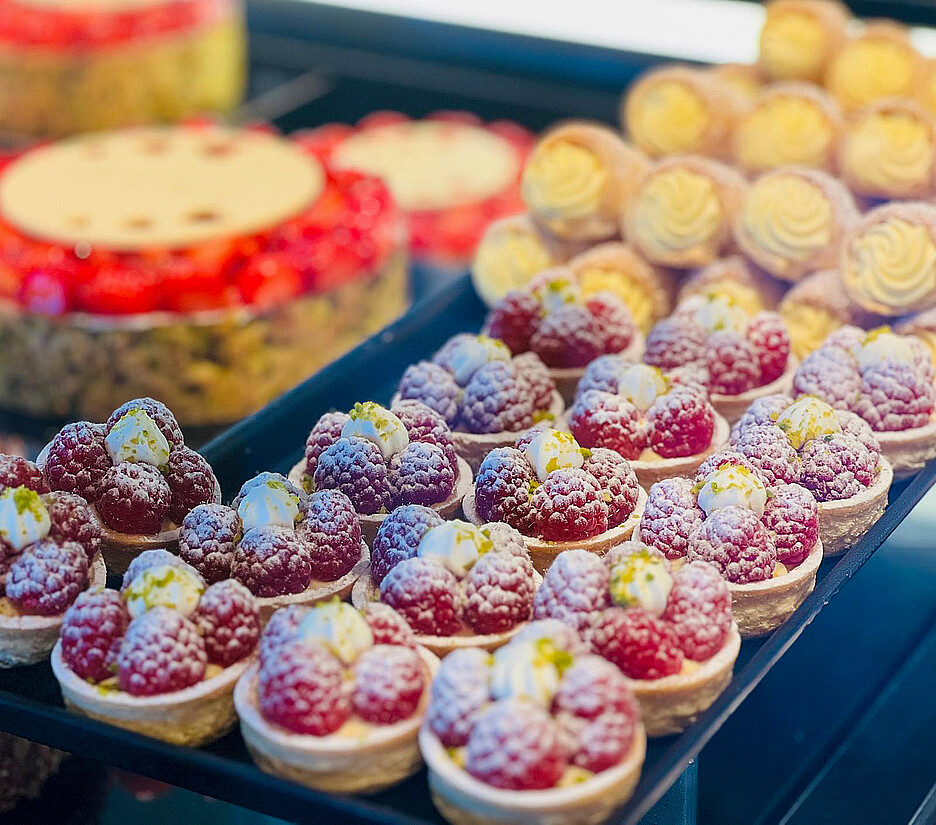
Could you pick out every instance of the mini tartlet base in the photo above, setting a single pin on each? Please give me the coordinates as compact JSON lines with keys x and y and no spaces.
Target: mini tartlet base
{"x":842,"y":523}
{"x":908,"y":450}
{"x":732,"y":407}
{"x":464,"y":800}
{"x":387,"y":754}
{"x":567,"y":378}
{"x":670,"y":704}
{"x":543,"y":553}
{"x":27,"y":639}
{"x":447,"y":509}
{"x":193,"y":716}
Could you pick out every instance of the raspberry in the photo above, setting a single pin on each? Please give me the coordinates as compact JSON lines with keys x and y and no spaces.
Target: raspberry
{"x":699,"y":610}
{"x":134,"y":499}
{"x":148,"y":559}
{"x":72,"y":521}
{"x":770,"y":451}
{"x":836,"y":467}
{"x":77,"y":460}
{"x":208,"y":539}
{"x":332,"y":532}
{"x":156,"y":410}
{"x":574,"y":590}
{"x":855,"y":425}
{"x":603,"y":741}
{"x":693,"y":377}
{"x":425,"y":424}
{"x":92,"y":631}
{"x":532,"y":371}
{"x":720,"y":459}
{"x":830,"y":375}
{"x":732,"y":363}
{"x":674,"y":342}
{"x":426,"y":594}
{"x":503,"y":489}
{"x":570,"y":505}
{"x":615,"y":326}
{"x":303,"y":688}
{"x":620,"y":552}
{"x":16,"y":471}
{"x":515,"y":745}
{"x":398,"y":537}
{"x":272,"y":561}
{"x":356,"y":467}
{"x":846,"y":338}
{"x":47,"y":577}
{"x":506,"y":539}
{"x":228,"y":619}
{"x":388,"y":626}
{"x":592,"y":686}
{"x":640,"y":644}
{"x":496,"y":401}
{"x":763,"y":410}
{"x":5,"y":564}
{"x":737,"y":543}
{"x":281,"y":628}
{"x":768,"y":334}
{"x":459,"y":693}
{"x":603,"y":374}
{"x":567,"y":337}
{"x":433,"y":386}
{"x":680,"y":423}
{"x":557,"y":633}
{"x":191,"y":482}
{"x":514,"y":319}
{"x":161,"y":653}
{"x":421,"y":473}
{"x":327,"y":431}
{"x":895,"y":397}
{"x":600,"y":419}
{"x":618,"y":481}
{"x":498,"y":593}
{"x":388,"y":683}
{"x":670,"y":517}
{"x":792,"y":517}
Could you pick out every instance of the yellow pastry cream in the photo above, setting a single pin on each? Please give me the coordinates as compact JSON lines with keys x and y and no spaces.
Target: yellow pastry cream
{"x":509,"y":254}
{"x":733,"y":279}
{"x":668,"y":115}
{"x":889,"y":263}
{"x":926,"y":93}
{"x":798,"y":38}
{"x":814,"y":308}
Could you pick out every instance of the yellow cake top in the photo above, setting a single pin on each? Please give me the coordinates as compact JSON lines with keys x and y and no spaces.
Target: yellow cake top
{"x":784,"y":129}
{"x":872,"y":67}
{"x":794,"y":43}
{"x":564,"y":179}
{"x":667,"y":116}
{"x":508,"y":255}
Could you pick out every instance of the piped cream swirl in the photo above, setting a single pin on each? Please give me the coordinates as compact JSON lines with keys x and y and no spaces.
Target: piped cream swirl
{"x":668,"y":117}
{"x":793,"y":45}
{"x":889,"y":154}
{"x":564,"y":180}
{"x":782,"y":130}
{"x":872,"y":68}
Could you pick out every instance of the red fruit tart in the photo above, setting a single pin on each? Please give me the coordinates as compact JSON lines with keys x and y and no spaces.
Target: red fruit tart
{"x":833,"y":453}
{"x":137,"y":474}
{"x":487,"y":395}
{"x":557,"y":495}
{"x":762,"y":536}
{"x":70,"y":66}
{"x":382,"y":458}
{"x":161,"y":655}
{"x":284,"y":546}
{"x":458,"y":585}
{"x":212,"y":267}
{"x":746,"y":357}
{"x":450,"y":172}
{"x":49,"y":554}
{"x":670,"y":631}
{"x":337,"y":698}
{"x":887,"y":380}
{"x":662,"y":423}
{"x":554,"y":319}
{"x":541,"y":732}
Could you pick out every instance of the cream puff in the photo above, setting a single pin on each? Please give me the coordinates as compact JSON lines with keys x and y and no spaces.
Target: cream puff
{"x":799,"y":37}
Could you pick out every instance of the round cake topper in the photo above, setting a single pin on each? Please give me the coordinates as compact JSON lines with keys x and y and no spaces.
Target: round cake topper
{"x":158,"y":187}
{"x":431,"y":165}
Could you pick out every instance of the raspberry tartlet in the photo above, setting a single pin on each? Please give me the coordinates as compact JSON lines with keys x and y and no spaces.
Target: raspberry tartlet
{"x":137,"y":474}
{"x":161,"y":655}
{"x":479,"y":388}
{"x":382,"y":458}
{"x":284,"y":546}
{"x":557,"y":495}
{"x":887,"y":380}
{"x":566,"y":327}
{"x":49,"y":554}
{"x":663,"y":424}
{"x":458,"y":585}
{"x":541,"y":732}
{"x":337,"y":697}
{"x":746,"y":357}
{"x":670,"y":631}
{"x":761,"y":533}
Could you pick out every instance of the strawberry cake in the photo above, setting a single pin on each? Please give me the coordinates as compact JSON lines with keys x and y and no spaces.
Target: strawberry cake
{"x":484,"y":392}
{"x":161,"y":655}
{"x":458,"y":585}
{"x":557,"y":495}
{"x":540,"y":732}
{"x":381,"y":459}
{"x":136,"y":472}
{"x":337,"y":697}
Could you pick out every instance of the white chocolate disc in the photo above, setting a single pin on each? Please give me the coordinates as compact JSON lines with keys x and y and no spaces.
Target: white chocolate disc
{"x":158,"y":187}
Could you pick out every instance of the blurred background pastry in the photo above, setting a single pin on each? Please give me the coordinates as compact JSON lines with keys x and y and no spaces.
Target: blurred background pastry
{"x":738,"y":280}
{"x":923,"y":326}
{"x":799,"y":37}
{"x":745,"y":79}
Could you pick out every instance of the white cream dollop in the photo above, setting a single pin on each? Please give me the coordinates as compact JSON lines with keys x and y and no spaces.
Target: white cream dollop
{"x":553,"y":450}
{"x":164,"y":586}
{"x":719,"y":312}
{"x":526,"y":670}
{"x":553,"y":293}
{"x":24,"y":518}
{"x":339,"y":627}
{"x":269,"y":503}
{"x":375,"y":423}
{"x":641,"y":579}
{"x":883,"y":345}
{"x":806,"y":419}
{"x":471,"y":353}
{"x":641,"y":385}
{"x":138,"y":439}
{"x":456,"y":545}
{"x":732,"y":485}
